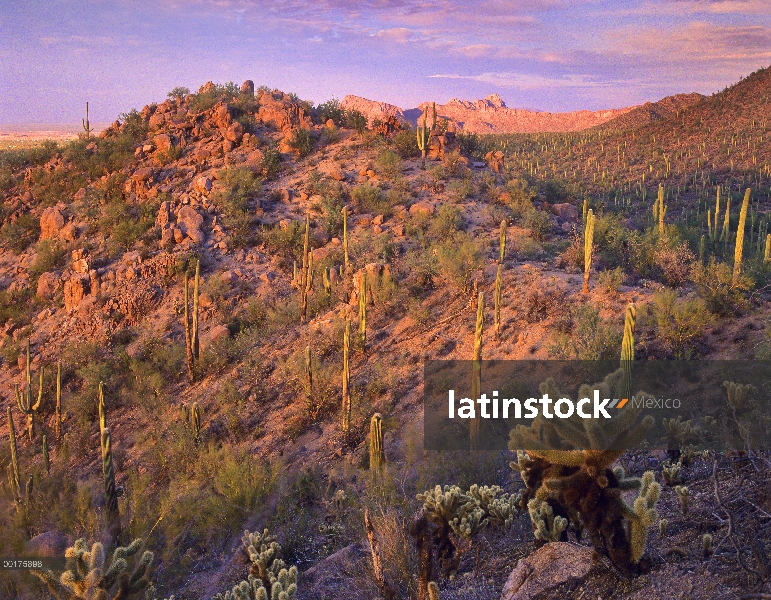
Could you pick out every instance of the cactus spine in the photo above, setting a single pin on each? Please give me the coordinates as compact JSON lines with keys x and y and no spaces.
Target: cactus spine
{"x":305,"y":279}
{"x":740,"y":237}
{"x":110,"y":492}
{"x":498,"y":279}
{"x":58,"y":415}
{"x":24,"y":401}
{"x":191,"y":329}
{"x":46,"y":458}
{"x":376,"y":449}
{"x":346,"y":379}
{"x":476,"y":366}
{"x":588,"y":245}
{"x":86,"y":124}
{"x":423,"y":134}
{"x":363,"y":311}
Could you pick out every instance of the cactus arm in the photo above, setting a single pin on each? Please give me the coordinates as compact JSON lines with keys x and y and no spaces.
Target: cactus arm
{"x":740,"y":237}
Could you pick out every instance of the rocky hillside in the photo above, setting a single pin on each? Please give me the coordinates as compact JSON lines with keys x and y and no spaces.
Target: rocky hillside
{"x":372,"y":110}
{"x":302,"y":223}
{"x":652,"y":111}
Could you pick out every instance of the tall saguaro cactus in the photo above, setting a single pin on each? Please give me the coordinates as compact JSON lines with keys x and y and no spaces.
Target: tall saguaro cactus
{"x":627,"y":347}
{"x":376,"y":449}
{"x":14,"y":479}
{"x":498,"y":279}
{"x":423,"y":134}
{"x":740,"y":237}
{"x":476,"y":366}
{"x":191,"y":325}
{"x":24,"y":400}
{"x":662,"y":209}
{"x":102,"y":408}
{"x":363,"y":311}
{"x":344,"y":210}
{"x":86,"y":124}
{"x":58,"y":414}
{"x":110,"y":491}
{"x":767,"y":251}
{"x":305,"y":277}
{"x":346,"y":379}
{"x":588,"y":246}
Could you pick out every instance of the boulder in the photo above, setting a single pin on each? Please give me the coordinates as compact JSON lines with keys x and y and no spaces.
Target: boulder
{"x":69,"y":233}
{"x":156,"y":120}
{"x":188,"y":219}
{"x":422,"y":208}
{"x":565,"y":211}
{"x":47,"y":285}
{"x":495,"y":158}
{"x":247,"y":87}
{"x":79,"y":261}
{"x":552,"y":571}
{"x":218,"y":332}
{"x":234,"y":133}
{"x":202,"y":185}
{"x":51,"y":544}
{"x":163,"y":142}
{"x":220,"y":116}
{"x":280,"y":111}
{"x":75,"y":289}
{"x":198,"y":236}
{"x":163,"y":217}
{"x":51,"y":223}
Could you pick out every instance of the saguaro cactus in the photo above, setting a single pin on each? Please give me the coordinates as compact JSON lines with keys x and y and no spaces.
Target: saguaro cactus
{"x":14,"y":478}
{"x":305,"y":276}
{"x":24,"y":400}
{"x":662,"y":209}
{"x":195,"y":420}
{"x":110,"y":492}
{"x":346,"y":379}
{"x":740,"y":237}
{"x":58,"y":414}
{"x":46,"y":460}
{"x":725,"y":232}
{"x":476,"y":366}
{"x":627,"y":348}
{"x":86,"y":124}
{"x":588,"y":246}
{"x":102,"y":408}
{"x":767,"y":252}
{"x":376,"y":449}
{"x":309,"y":378}
{"x":191,"y":328}
{"x":423,"y":134}
{"x":363,"y":311}
{"x":345,"y":237}
{"x":498,"y":279}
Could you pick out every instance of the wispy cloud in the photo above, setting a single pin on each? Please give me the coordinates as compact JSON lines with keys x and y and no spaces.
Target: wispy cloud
{"x":529,"y":81}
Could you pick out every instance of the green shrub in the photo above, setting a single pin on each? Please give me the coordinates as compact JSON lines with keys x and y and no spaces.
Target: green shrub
{"x":50,"y":255}
{"x":16,"y":236}
{"x":302,"y":142}
{"x":610,"y":280}
{"x":405,"y":143}
{"x":203,"y":101}
{"x":124,"y":223}
{"x":388,"y":163}
{"x":538,"y":222}
{"x":715,"y":285}
{"x":178,"y":92}
{"x":591,"y":337}
{"x":370,"y":199}
{"x":447,"y":221}
{"x":235,"y":186}
{"x":330,"y":109}
{"x":355,"y":120}
{"x":458,"y":258}
{"x":522,"y":196}
{"x":678,"y":323}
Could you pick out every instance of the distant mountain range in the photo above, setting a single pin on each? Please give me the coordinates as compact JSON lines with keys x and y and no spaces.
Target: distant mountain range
{"x":491,"y":115}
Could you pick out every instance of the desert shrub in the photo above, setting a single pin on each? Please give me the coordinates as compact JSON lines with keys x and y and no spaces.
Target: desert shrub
{"x":302,"y":142}
{"x":447,"y":221}
{"x":405,"y":143}
{"x":271,"y":163}
{"x":538,"y":222}
{"x":178,"y":93}
{"x":469,"y":144}
{"x":235,"y":186}
{"x":124,"y":223}
{"x":388,"y":163}
{"x":525,"y":247}
{"x":677,"y":322}
{"x":370,"y":199}
{"x":458,"y":258}
{"x":330,"y":109}
{"x":610,"y":280}
{"x":715,"y":285}
{"x":522,"y":196}
{"x":287,"y":242}
{"x":50,"y":255}
{"x":16,"y":304}
{"x":355,"y":120}
{"x":328,"y":136}
{"x":461,"y":189}
{"x":673,"y":263}
{"x":591,"y":338}
{"x":50,"y":187}
{"x":203,"y":101}
{"x":16,"y":236}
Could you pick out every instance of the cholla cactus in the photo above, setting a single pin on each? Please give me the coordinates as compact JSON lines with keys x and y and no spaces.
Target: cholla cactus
{"x":672,"y":473}
{"x":89,"y":577}
{"x":269,"y":579}
{"x":547,"y":526}
{"x":644,"y":515}
{"x":738,"y":395}
{"x":684,"y":495}
{"x":433,"y":591}
{"x":707,"y":549}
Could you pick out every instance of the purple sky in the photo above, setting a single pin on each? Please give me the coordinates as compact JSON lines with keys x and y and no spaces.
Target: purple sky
{"x":555,"y":55}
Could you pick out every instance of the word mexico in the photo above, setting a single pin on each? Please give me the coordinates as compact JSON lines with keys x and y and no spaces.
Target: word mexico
{"x":564,"y":408}
{"x":526,"y":405}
